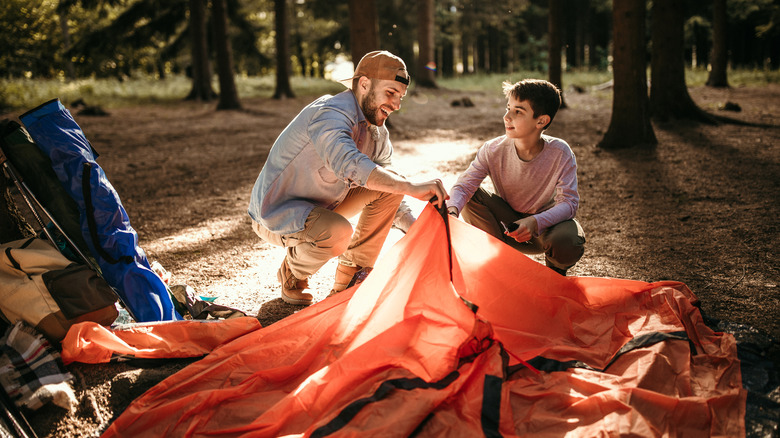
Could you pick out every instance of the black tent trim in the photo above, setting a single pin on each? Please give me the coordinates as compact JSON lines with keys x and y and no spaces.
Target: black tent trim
{"x":646,"y":340}
{"x":384,"y":390}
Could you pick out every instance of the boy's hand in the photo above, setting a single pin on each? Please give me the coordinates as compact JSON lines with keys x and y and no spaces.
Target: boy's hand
{"x":526,"y":229}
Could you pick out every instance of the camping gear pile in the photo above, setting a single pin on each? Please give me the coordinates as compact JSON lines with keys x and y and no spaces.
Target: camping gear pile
{"x":78,"y":210}
{"x":105,"y":225}
{"x":84,"y":259}
{"x":48,"y":291}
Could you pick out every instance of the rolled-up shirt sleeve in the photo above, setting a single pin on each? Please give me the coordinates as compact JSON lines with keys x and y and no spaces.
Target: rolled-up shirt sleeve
{"x":567,"y":198}
{"x":330,"y":132}
{"x":469,"y":181}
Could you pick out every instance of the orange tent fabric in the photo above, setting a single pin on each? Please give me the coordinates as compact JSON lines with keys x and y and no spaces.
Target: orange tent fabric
{"x":89,"y":342}
{"x":403,"y":353}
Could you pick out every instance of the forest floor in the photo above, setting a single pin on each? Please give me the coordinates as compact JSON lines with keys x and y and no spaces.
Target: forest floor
{"x":701,"y":207}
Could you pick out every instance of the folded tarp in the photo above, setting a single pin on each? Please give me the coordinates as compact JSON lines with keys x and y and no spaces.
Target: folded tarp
{"x":403,"y":354}
{"x":88,"y":342}
{"x":104,"y":222}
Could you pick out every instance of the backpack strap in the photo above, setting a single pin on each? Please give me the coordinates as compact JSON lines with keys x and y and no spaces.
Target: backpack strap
{"x":86,"y":191}
{"x":13,"y":261}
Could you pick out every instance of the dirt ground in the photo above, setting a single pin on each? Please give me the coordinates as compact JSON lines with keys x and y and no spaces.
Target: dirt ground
{"x":701,"y":207}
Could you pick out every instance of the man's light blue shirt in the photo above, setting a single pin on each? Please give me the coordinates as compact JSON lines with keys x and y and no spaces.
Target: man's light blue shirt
{"x":327,"y":149}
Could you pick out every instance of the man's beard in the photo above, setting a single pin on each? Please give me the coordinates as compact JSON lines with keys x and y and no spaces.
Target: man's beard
{"x":370,"y":108}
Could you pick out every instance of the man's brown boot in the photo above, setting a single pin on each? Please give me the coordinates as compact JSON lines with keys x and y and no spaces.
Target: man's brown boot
{"x":292,"y":288}
{"x":348,"y":276}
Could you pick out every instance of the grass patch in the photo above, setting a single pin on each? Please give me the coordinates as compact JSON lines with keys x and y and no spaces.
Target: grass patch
{"x":22,"y":94}
{"x":737,"y":78}
{"x":493,"y":81}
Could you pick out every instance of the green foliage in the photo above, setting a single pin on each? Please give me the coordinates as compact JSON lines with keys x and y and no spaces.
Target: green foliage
{"x":28,"y":31}
{"x":125,"y":38}
{"x":743,"y":9}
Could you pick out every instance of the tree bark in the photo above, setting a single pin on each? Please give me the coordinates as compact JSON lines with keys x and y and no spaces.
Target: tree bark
{"x":480,"y":49}
{"x":448,"y":59}
{"x":580,"y":25}
{"x":297,"y":45}
{"x":555,"y":18}
{"x":719,"y":59}
{"x":669,"y":96}
{"x":62,"y":11}
{"x":363,"y":28}
{"x":283,"y":88}
{"x":426,"y":62}
{"x":201,"y":68}
{"x":630,"y":122}
{"x":228,"y":95}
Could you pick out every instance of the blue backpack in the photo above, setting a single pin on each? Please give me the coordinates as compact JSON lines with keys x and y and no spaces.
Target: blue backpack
{"x":104,"y":223}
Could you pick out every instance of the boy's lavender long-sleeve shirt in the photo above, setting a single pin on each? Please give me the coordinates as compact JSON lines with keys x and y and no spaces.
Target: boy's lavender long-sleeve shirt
{"x":545,"y":187}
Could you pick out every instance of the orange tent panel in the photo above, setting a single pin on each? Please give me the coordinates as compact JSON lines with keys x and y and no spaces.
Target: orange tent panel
{"x":536,"y":355}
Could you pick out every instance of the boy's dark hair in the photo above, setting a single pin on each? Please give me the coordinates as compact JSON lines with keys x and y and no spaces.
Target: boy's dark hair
{"x":544,"y":97}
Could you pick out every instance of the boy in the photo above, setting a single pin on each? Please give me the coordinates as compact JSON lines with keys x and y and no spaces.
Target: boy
{"x":535,"y":179}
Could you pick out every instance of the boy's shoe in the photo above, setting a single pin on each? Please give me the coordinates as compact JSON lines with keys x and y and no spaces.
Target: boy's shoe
{"x":558,"y":270}
{"x":359,"y":277}
{"x":348,"y":276}
{"x":292,"y":288}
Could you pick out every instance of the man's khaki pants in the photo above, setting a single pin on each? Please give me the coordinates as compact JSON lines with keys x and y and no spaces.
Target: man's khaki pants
{"x":562,"y":243}
{"x":328,"y":233}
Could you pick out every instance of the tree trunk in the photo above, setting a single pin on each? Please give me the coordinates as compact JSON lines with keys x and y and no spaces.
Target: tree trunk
{"x":201,"y":68}
{"x":363,"y":28}
{"x":630,"y":123}
{"x":283,"y":88}
{"x":466,"y":40}
{"x":719,"y":59}
{"x":448,"y":59}
{"x":160,"y":66}
{"x":70,"y":71}
{"x":480,"y":61}
{"x":228,"y":95}
{"x":297,"y":44}
{"x":669,"y":96}
{"x":555,"y":30}
{"x":497,"y":59}
{"x":426,"y":61}
{"x":579,"y":38}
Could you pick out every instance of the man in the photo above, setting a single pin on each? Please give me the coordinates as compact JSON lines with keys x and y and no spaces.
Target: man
{"x":327,"y":166}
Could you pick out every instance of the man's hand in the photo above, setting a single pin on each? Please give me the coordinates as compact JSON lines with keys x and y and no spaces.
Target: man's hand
{"x":385,"y":181}
{"x":526,"y":228}
{"x":426,"y":190}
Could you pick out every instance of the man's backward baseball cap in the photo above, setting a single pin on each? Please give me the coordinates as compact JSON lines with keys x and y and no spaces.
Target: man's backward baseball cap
{"x":380,"y":64}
